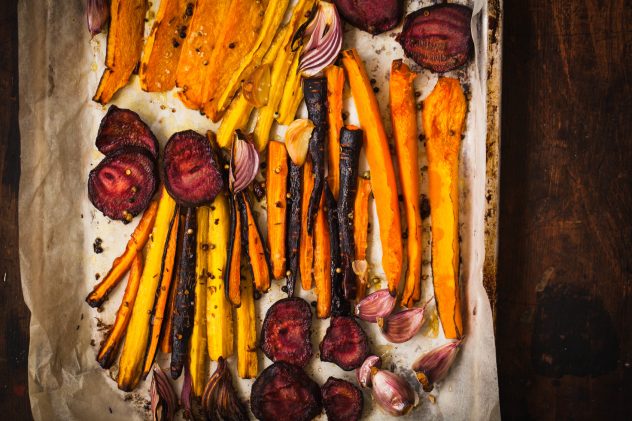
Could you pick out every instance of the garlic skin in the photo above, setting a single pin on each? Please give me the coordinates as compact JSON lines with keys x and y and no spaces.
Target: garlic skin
{"x":378,"y":304}
{"x":402,"y":326}
{"x":391,"y":392}
{"x":97,"y":14}
{"x":164,"y":402}
{"x":363,"y":374}
{"x":433,"y":366}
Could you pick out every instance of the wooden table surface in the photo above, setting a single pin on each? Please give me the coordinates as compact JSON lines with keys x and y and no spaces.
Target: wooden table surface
{"x":564,"y":310}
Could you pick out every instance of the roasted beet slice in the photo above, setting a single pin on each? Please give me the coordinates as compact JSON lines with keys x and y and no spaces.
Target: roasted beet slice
{"x":438,"y":37}
{"x":283,"y":392}
{"x":121,"y":128}
{"x":286,"y":331}
{"x":342,"y":400}
{"x":345,"y":343}
{"x":123,"y":183}
{"x":372,"y":16}
{"x":192,"y":176}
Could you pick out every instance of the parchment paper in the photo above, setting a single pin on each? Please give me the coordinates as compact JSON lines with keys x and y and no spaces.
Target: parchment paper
{"x":59,"y":71}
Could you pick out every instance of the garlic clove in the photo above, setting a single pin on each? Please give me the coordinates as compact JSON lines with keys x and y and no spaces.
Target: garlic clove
{"x":433,"y":366}
{"x":97,"y":14}
{"x":378,"y":304}
{"x":297,"y":139}
{"x":392,"y":392}
{"x":244,"y":162}
{"x":363,"y":374}
{"x":402,"y":326}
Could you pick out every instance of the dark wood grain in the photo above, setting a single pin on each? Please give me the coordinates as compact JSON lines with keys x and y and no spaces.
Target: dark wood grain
{"x":564,"y":310}
{"x":14,"y":315}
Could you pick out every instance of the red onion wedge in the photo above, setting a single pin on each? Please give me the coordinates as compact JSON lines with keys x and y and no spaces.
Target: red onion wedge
{"x":325,"y":40}
{"x":244,"y":162}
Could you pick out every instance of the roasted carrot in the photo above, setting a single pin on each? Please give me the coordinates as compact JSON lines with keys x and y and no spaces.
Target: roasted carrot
{"x":122,"y":263}
{"x":198,"y":349}
{"x":109,"y":348}
{"x":322,"y":263}
{"x":163,"y":294}
{"x":137,"y":338}
{"x":404,"y":120}
{"x":443,"y":120}
{"x":158,"y":65}
{"x":124,"y":45}
{"x":166,"y":337}
{"x":335,"y":85}
{"x":202,"y":35}
{"x":247,"y":361}
{"x":293,"y":226}
{"x":381,"y":165}
{"x":292,"y":93}
{"x":232,"y":277}
{"x":183,"y":312}
{"x":276,"y":191}
{"x":256,"y":253}
{"x":306,"y":250}
{"x":360,"y":233}
{"x":339,"y":304}
{"x":350,"y":144}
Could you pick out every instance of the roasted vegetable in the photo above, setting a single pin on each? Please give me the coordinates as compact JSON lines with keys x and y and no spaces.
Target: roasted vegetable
{"x":244,"y":162}
{"x":404,"y":120}
{"x":294,"y":227}
{"x":164,"y":288}
{"x":292,"y":93}
{"x":232,"y":276}
{"x":360,"y":233}
{"x":97,"y":15}
{"x":247,"y":361}
{"x":438,"y":37}
{"x":322,"y":263}
{"x":443,"y":122}
{"x":350,"y":144}
{"x":164,"y":402}
{"x":323,"y":40}
{"x":335,"y":85}
{"x":192,"y":175}
{"x":339,"y":304}
{"x":276,"y":190}
{"x":315,"y":92}
{"x":255,"y":251}
{"x":306,"y":250}
{"x":125,"y":42}
{"x":109,"y":348}
{"x":286,"y":331}
{"x":220,"y":400}
{"x":165,"y":337}
{"x":372,"y":16}
{"x":283,"y":392}
{"x":159,"y":63}
{"x":345,"y":343}
{"x":203,"y":34}
{"x":264,"y":30}
{"x":392,"y":392}
{"x":123,"y":183}
{"x":183,"y":313}
{"x":219,"y":315}
{"x":137,"y":338}
{"x":198,"y":349}
{"x":297,"y":136}
{"x":382,"y":171}
{"x":122,"y":263}
{"x":120,"y":128}
{"x":342,"y":400}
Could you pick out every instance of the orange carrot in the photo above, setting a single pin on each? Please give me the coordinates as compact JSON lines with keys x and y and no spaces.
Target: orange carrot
{"x":322,"y":263}
{"x":335,"y":85}
{"x":276,"y":191}
{"x":306,"y":248}
{"x":360,"y":233}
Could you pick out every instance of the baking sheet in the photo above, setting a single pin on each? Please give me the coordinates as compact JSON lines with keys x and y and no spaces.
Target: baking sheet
{"x":59,"y":71}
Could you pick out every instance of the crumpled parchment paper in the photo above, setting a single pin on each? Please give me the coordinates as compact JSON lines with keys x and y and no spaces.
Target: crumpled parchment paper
{"x":59,"y":71}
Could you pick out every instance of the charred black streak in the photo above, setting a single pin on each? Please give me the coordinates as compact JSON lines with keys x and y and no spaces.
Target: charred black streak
{"x":573,"y":334}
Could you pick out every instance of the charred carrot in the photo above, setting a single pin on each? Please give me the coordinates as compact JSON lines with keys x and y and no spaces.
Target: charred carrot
{"x":306,"y":262}
{"x":232,"y":276}
{"x":322,"y":263}
{"x":335,"y":85}
{"x":122,"y":263}
{"x":256,"y":254}
{"x":294,"y":227}
{"x":360,"y":233}
{"x":109,"y":348}
{"x":382,"y":171}
{"x":339,"y":304}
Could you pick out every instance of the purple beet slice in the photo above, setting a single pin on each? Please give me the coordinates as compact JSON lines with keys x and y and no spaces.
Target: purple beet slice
{"x":372,"y":16}
{"x":345,"y":343}
{"x":191,"y":173}
{"x":121,"y":128}
{"x":438,"y":37}
{"x":123,"y":183}
{"x":286,"y":332}
{"x":283,"y":392}
{"x":342,"y":400}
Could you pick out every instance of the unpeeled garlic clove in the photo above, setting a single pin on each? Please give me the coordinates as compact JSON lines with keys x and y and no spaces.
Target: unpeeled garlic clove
{"x":297,"y":139}
{"x":244,"y":162}
{"x":378,"y":304}
{"x":434,"y":365}
{"x":391,"y":392}
{"x":402,"y":326}
{"x":363,"y":374}
{"x":97,"y":14}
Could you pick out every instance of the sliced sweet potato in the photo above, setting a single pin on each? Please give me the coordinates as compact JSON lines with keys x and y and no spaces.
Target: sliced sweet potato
{"x":124,"y":45}
{"x":158,"y":65}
